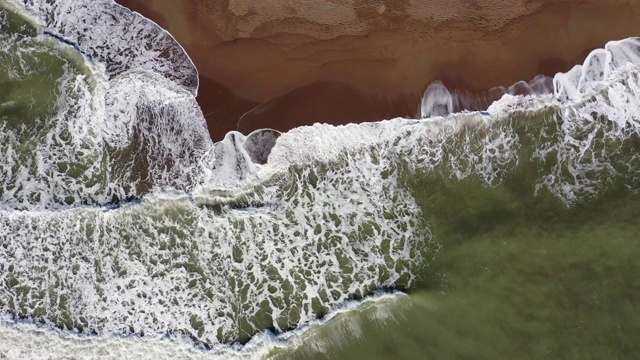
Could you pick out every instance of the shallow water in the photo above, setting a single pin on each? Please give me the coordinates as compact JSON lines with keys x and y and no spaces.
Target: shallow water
{"x":507,"y":283}
{"x":125,"y":230}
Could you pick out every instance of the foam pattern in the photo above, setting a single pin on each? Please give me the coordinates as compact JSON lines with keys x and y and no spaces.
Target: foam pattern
{"x":49,"y":149}
{"x":221,"y":246}
{"x":599,"y":66}
{"x":593,"y":142}
{"x":437,"y":100}
{"x":116,"y":37}
{"x":154,"y":135}
{"x":167,"y":265}
{"x":102,"y":142}
{"x":53,"y":344}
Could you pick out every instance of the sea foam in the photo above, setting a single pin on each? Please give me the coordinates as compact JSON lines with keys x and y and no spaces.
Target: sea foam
{"x":223,"y":243}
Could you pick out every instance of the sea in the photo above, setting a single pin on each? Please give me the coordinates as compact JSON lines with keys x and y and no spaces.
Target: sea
{"x":127,"y":233}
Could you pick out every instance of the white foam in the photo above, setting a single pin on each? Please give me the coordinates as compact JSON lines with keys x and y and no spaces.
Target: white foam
{"x":590,"y":139}
{"x":105,"y":138}
{"x":115,"y":37}
{"x":34,"y":150}
{"x":47,"y":343}
{"x":600,"y":66}
{"x":436,"y":101}
{"x":338,"y":223}
{"x":154,"y":267}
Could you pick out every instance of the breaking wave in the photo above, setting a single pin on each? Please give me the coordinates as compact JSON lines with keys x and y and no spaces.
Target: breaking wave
{"x":265,"y":232}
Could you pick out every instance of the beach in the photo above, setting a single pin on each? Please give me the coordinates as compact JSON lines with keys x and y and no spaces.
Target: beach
{"x":137,"y":221}
{"x":280,"y":65}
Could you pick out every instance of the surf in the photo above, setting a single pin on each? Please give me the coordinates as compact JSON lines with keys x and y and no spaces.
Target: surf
{"x":264,"y":233}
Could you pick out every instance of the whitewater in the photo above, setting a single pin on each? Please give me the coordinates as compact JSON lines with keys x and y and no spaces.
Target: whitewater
{"x":125,"y":231}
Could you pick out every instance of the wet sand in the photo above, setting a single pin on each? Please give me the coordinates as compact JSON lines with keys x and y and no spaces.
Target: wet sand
{"x":281,"y":64}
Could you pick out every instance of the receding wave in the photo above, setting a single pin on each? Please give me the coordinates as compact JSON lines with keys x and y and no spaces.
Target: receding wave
{"x":115,"y":37}
{"x":265,"y":232}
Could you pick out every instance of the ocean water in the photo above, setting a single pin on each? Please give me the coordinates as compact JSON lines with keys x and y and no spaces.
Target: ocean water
{"x":125,"y":232}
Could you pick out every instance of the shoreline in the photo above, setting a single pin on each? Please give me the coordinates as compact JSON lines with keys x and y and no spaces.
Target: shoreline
{"x":266,"y":65}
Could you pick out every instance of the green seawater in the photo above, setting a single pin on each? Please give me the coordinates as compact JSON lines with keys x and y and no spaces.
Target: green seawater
{"x":504,"y":266}
{"x":517,"y":276}
{"x":559,"y":291}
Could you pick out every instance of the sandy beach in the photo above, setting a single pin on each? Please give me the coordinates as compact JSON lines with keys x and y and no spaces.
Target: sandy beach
{"x":129,"y":229}
{"x":281,"y":64}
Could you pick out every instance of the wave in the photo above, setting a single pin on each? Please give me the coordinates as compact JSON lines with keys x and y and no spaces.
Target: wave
{"x":115,"y":37}
{"x":55,"y":344}
{"x":600,"y":65}
{"x":257,"y":232}
{"x":437,"y":100}
{"x":110,"y":134}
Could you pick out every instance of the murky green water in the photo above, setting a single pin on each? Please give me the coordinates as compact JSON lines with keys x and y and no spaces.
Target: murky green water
{"x":513,"y":236}
{"x":517,"y":276}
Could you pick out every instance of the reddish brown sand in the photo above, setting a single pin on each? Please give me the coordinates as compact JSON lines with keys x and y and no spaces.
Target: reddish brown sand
{"x":280,"y":64}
